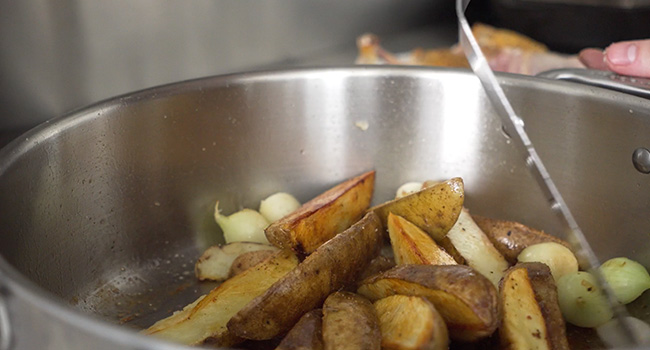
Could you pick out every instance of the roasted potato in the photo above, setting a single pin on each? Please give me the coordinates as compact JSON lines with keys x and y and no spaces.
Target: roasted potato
{"x":531,"y":316}
{"x":446,"y":244}
{"x":214,"y":264}
{"x":510,"y":237}
{"x":307,"y":334}
{"x":433,"y":209}
{"x":247,"y":260}
{"x":465,"y":298}
{"x":333,"y":265}
{"x":476,"y":249}
{"x":377,"y":265}
{"x":206,"y":318}
{"x":410,"y":323}
{"x":318,"y":220}
{"x":411,"y":245}
{"x":350,"y":322}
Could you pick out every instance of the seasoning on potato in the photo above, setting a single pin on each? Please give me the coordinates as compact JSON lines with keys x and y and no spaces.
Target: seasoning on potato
{"x":333,"y":265}
{"x":320,"y":219}
{"x":443,"y":287}
{"x":433,"y":209}
{"x":350,"y":323}
{"x":466,"y":299}
{"x":531,"y":316}
{"x":510,"y":237}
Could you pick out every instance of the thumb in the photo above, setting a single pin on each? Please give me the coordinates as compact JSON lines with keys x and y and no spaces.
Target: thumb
{"x":629,"y":58}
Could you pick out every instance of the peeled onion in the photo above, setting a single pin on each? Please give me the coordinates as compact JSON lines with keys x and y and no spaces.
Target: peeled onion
{"x":278,"y":205}
{"x":408,"y":188}
{"x":559,"y":258}
{"x":582,"y":301}
{"x":246,"y":225}
{"x":628,"y":278}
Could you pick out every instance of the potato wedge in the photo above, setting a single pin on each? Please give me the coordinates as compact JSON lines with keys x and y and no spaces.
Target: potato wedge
{"x":307,"y":334}
{"x":446,"y":244}
{"x":410,"y":323}
{"x":377,"y":265}
{"x":413,"y":246}
{"x":531,"y":316}
{"x":476,"y":249}
{"x":214,"y":264}
{"x":333,"y":265}
{"x":433,"y":209}
{"x":247,"y":260}
{"x":510,"y":237}
{"x":176,"y":317}
{"x":465,"y":298}
{"x":350,"y":323}
{"x":321,"y":218}
{"x":207,"y":317}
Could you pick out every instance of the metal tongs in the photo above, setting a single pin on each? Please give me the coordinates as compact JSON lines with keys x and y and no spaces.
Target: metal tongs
{"x":514,"y":127}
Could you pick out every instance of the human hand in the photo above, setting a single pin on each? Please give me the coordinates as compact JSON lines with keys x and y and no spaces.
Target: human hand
{"x":625,"y":57}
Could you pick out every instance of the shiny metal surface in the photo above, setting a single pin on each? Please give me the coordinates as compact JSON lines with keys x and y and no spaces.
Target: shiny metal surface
{"x":641,"y":160}
{"x":57,"y":58}
{"x":104,"y":211}
{"x":605,"y":79}
{"x":6,"y":336}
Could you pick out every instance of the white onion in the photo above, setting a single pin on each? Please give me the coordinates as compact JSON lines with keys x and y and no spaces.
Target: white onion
{"x":582,"y":301}
{"x":628,"y":278}
{"x":557,"y":257}
{"x":408,"y":188}
{"x":246,"y":225}
{"x":278,"y":205}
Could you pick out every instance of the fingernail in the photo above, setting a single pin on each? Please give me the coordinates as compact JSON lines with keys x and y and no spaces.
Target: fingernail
{"x":621,"y":54}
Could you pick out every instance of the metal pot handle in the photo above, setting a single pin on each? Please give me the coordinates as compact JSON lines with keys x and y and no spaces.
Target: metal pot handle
{"x":606,"y":79}
{"x":6,"y":338}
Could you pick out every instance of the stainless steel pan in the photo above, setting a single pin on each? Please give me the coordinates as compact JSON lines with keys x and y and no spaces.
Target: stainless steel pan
{"x":104,"y":211}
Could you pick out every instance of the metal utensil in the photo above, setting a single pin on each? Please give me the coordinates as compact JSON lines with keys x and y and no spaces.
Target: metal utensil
{"x":514,"y":127}
{"x":605,"y":79}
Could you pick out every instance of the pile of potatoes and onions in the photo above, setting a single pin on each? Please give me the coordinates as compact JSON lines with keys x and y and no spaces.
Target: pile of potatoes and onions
{"x":322,"y":276}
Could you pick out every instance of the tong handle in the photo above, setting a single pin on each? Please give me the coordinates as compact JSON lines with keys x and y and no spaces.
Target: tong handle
{"x":605,"y":79}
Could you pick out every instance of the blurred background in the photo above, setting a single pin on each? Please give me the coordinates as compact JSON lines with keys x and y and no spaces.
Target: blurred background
{"x":58,"y":55}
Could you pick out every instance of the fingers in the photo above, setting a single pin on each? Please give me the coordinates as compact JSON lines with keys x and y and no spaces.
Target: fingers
{"x":629,"y":57}
{"x":593,"y":58}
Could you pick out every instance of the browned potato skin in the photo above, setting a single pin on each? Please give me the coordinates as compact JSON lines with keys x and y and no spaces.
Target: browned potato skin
{"x":321,"y":218}
{"x":350,"y":323}
{"x":377,"y":265}
{"x":545,"y":294}
{"x":510,"y":237}
{"x":434,"y":209}
{"x":248,"y":260}
{"x":307,"y":334}
{"x":465,"y":298}
{"x":333,"y":265}
{"x":410,"y":323}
